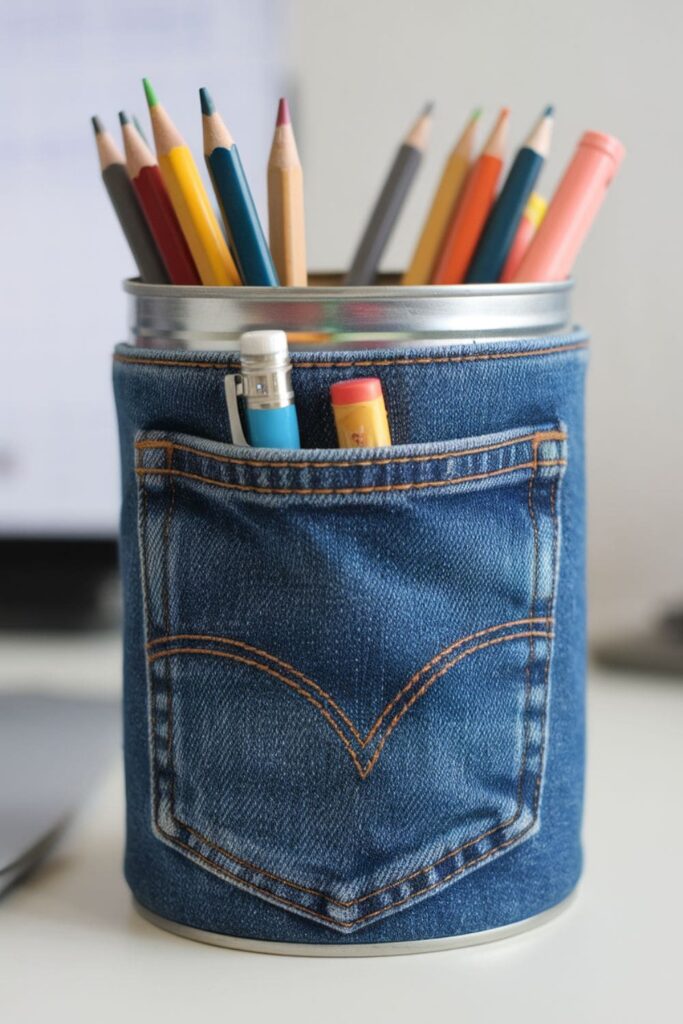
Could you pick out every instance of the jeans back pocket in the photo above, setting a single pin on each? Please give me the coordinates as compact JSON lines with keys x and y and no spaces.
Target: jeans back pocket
{"x":348,"y":660}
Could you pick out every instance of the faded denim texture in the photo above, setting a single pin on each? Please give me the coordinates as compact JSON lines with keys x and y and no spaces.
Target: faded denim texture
{"x":354,"y":679}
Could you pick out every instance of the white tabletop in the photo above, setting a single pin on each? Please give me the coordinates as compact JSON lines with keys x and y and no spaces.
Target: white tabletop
{"x":72,"y":948}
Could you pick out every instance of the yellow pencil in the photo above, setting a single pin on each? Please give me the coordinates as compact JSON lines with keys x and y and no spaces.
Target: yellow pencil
{"x":190,"y":201}
{"x":440,"y":215}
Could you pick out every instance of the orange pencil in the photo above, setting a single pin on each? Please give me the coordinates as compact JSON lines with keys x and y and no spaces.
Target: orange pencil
{"x":473,"y":208}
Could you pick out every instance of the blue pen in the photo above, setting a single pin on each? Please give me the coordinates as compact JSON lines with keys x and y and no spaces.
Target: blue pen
{"x":500,"y":228}
{"x":265,"y":385}
{"x":247,"y":240}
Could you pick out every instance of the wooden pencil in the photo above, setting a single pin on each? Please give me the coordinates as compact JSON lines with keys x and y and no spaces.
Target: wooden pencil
{"x":473,"y":209}
{"x":382,"y":221}
{"x":241,"y":220}
{"x":140,"y":130}
{"x":503,"y":221}
{"x":190,"y":201}
{"x":145,"y":176}
{"x":286,"y":220}
{"x":127,"y":208}
{"x":442,"y":209}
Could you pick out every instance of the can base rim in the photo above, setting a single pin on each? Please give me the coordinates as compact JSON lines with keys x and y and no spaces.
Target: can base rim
{"x":361,"y":949}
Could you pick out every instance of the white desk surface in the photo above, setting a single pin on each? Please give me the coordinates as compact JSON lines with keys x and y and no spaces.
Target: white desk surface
{"x":73,"y":949}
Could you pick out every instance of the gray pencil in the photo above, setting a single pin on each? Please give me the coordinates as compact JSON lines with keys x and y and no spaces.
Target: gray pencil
{"x":127,"y":208}
{"x":388,"y":206}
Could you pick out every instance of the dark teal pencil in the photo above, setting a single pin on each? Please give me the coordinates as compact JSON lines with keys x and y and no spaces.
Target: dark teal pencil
{"x":503,"y":221}
{"x":247,"y":240}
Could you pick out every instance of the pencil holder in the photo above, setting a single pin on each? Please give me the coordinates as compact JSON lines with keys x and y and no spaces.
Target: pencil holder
{"x":354,"y":679}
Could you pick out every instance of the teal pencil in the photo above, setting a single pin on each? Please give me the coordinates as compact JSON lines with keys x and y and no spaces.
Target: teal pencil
{"x":242,"y":224}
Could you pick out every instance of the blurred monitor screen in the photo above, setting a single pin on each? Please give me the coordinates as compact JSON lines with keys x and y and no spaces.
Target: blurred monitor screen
{"x":63,"y":255}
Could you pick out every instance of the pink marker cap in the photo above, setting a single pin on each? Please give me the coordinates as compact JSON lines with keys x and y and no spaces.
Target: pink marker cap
{"x":608,"y":144}
{"x":358,"y":389}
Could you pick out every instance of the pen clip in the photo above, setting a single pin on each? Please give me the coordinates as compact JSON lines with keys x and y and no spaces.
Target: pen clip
{"x":233,"y":389}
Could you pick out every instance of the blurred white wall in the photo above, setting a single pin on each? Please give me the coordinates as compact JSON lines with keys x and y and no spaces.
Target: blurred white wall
{"x":64,"y":255}
{"x":365,"y":68}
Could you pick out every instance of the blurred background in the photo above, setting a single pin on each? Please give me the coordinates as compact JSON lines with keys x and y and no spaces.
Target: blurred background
{"x":356,"y":74}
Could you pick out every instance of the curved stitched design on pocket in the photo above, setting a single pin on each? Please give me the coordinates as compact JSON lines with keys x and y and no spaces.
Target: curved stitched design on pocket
{"x":355,"y":744}
{"x":363,"y":750}
{"x":415,"y":877}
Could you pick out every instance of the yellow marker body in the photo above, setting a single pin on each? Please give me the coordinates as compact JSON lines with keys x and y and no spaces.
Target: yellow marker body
{"x":535,"y":209}
{"x":197,"y":219}
{"x":362,"y":424}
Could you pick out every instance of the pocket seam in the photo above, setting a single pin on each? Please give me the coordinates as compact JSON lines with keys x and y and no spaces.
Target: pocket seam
{"x":376,"y":489}
{"x":536,"y":438}
{"x":352,"y":363}
{"x":308,"y":911}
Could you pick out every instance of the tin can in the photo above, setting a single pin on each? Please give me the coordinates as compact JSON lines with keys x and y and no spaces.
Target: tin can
{"x":455,"y":533}
{"x":329,"y":316}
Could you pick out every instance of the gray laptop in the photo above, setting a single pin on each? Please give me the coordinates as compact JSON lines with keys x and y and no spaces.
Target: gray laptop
{"x":51,"y":751}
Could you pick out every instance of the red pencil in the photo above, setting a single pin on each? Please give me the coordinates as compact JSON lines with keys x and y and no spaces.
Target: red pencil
{"x":145,"y":176}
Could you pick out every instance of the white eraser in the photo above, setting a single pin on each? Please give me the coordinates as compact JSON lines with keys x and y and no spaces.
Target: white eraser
{"x":263,"y":343}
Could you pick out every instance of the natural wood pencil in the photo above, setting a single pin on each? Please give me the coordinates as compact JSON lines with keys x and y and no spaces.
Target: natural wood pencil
{"x":286,"y":220}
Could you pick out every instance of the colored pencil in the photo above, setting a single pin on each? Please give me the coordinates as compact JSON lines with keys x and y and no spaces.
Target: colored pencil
{"x":577,"y":199}
{"x":365,"y":263}
{"x":127,"y":208}
{"x":474,"y":207}
{"x":145,"y":176}
{"x":286,"y":221}
{"x":140,"y":130}
{"x":534,"y":213}
{"x":242,"y":224}
{"x":503,"y":221}
{"x":190,"y":201}
{"x":443,"y":206}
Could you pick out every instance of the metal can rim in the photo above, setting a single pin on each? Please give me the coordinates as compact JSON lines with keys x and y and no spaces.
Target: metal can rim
{"x":329,"y":316}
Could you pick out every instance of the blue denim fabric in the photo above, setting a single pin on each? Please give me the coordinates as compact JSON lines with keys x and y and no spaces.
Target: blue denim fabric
{"x":354,"y":679}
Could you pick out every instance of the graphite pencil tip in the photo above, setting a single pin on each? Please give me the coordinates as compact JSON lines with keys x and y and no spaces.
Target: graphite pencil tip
{"x":549,"y":111}
{"x":97,"y":125}
{"x":282,"y":113}
{"x":207,"y":104}
{"x":150,"y":94}
{"x":123,"y":118}
{"x":428,"y":108}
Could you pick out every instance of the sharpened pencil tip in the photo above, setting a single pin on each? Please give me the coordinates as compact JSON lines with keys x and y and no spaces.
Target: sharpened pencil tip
{"x":476,"y":113}
{"x":138,"y":128}
{"x":97,"y":125}
{"x":150,"y":94}
{"x":123,"y":118}
{"x":428,"y":108}
{"x":282,"y":113}
{"x":207,"y":104}
{"x":549,"y":111}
